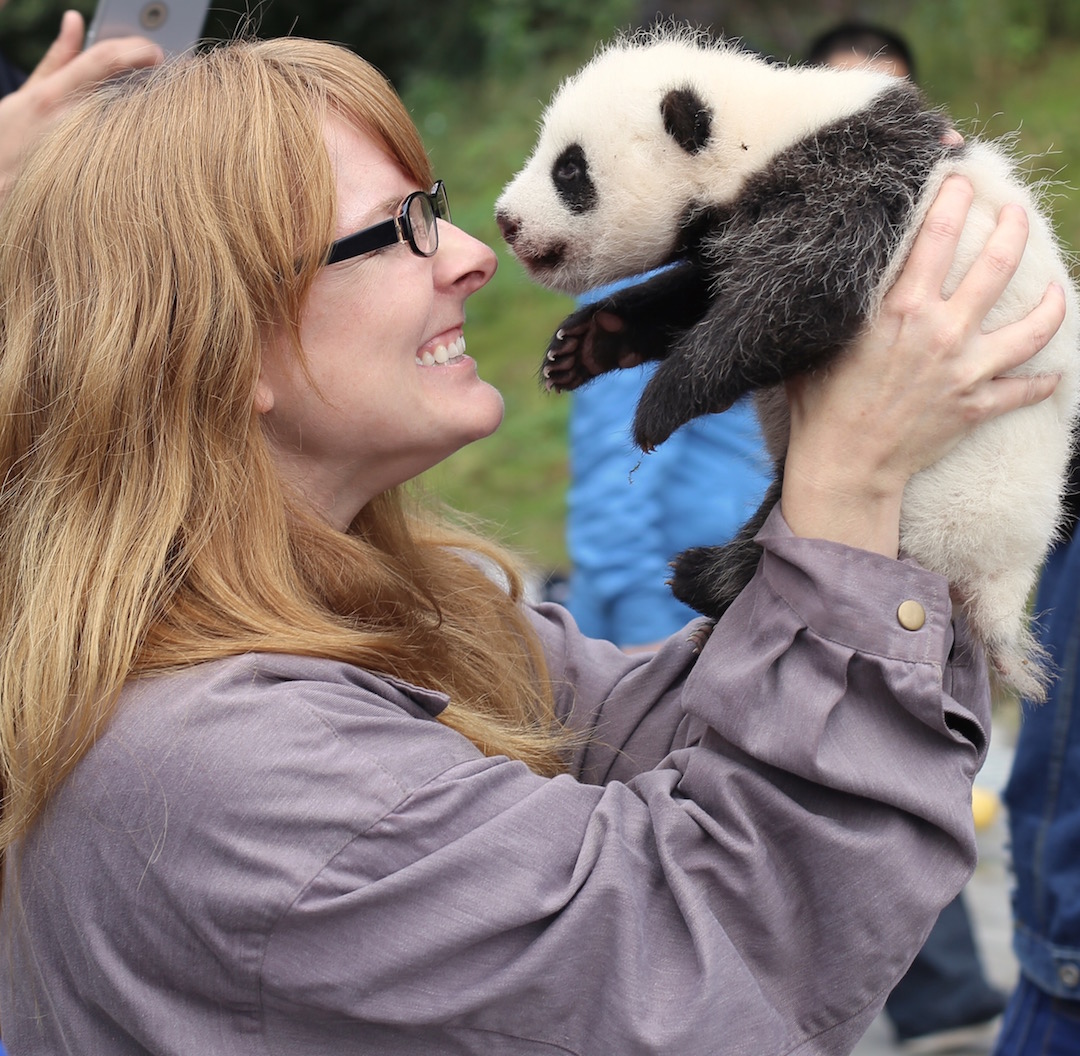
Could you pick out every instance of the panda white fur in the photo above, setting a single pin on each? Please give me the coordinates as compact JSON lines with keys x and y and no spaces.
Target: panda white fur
{"x":791,"y":195}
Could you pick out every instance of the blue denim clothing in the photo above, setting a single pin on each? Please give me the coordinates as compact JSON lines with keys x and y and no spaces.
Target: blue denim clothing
{"x":1043,"y":795}
{"x":1037,"y":1024}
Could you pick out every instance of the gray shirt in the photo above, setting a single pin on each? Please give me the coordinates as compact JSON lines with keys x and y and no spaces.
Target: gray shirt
{"x":285,"y":855}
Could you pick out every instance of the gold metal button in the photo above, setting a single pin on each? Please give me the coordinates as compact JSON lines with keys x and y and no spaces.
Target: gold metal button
{"x":911,"y":615}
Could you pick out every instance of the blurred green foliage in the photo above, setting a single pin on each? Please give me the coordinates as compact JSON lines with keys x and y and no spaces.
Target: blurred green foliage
{"x":476,"y":74}
{"x":452,"y":38}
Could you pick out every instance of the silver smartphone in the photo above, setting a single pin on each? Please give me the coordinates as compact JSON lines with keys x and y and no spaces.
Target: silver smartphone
{"x":174,"y":25}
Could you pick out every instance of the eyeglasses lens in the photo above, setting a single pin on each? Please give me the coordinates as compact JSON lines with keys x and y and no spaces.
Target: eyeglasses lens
{"x":422,"y":224}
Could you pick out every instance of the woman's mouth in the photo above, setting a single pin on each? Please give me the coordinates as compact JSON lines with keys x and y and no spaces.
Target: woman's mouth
{"x":442,"y":353}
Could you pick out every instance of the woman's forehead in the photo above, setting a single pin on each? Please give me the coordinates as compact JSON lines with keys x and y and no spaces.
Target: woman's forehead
{"x":370,"y":182}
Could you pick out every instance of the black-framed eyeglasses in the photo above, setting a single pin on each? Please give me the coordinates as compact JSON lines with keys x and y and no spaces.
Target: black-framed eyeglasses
{"x":414,"y":223}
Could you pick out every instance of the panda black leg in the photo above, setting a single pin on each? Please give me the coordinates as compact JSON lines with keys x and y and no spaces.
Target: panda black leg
{"x":670,"y":400}
{"x":710,"y":578}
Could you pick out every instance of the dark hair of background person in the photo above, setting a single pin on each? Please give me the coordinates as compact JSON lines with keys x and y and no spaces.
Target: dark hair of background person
{"x":864,"y":39}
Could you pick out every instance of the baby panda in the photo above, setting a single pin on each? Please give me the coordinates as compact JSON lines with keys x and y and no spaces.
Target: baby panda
{"x":785,"y":200}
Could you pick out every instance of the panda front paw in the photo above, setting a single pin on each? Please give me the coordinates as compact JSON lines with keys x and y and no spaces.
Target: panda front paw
{"x":589,"y":342}
{"x":629,"y":325}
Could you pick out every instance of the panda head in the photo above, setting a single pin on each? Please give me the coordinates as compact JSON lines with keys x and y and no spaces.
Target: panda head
{"x":618,"y":163}
{"x":654,"y":130}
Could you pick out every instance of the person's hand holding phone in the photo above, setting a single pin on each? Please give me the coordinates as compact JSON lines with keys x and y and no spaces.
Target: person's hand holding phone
{"x":62,"y":74}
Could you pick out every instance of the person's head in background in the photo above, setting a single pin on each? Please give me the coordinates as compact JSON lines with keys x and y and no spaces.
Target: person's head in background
{"x":858,"y":44}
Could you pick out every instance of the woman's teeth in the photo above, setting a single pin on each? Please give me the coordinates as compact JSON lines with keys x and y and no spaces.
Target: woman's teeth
{"x":442,"y":353}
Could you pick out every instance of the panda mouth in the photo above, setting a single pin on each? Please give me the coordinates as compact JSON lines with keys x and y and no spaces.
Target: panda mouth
{"x":554,"y":268}
{"x":537,"y":256}
{"x":550,"y":260}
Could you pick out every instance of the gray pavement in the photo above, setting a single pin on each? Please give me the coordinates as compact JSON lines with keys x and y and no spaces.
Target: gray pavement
{"x":987,"y":893}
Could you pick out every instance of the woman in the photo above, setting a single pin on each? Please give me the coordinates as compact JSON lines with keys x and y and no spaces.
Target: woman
{"x":286,"y":770}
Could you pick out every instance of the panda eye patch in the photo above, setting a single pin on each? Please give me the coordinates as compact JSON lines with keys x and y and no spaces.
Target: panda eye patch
{"x":570,"y":175}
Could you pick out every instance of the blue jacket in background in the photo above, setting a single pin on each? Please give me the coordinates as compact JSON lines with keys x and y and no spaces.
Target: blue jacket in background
{"x":629,"y":514}
{"x":1043,"y":795}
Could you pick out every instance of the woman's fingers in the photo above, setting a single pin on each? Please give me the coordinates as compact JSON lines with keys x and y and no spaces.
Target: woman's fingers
{"x":1014,"y":344}
{"x":983,"y":387}
{"x":953,"y":325}
{"x":101,"y":61}
{"x":66,"y":68}
{"x":993,"y":269}
{"x":1012,"y":393}
{"x":934,"y":247}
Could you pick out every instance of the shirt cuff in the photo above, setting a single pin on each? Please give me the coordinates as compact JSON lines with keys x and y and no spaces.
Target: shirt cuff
{"x":840,"y":591}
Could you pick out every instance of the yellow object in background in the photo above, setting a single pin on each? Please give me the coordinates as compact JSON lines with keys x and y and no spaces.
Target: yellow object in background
{"x":984,"y":807}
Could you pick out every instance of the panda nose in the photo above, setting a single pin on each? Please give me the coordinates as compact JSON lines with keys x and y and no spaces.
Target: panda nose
{"x":509,"y":226}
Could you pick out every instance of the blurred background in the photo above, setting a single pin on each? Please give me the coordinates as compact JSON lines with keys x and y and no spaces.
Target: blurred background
{"x":476,"y":73}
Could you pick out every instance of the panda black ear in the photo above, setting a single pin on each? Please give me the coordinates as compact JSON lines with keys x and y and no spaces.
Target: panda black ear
{"x":687,"y":118}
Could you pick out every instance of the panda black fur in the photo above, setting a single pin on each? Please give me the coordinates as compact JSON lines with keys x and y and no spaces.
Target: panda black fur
{"x":790,"y":196}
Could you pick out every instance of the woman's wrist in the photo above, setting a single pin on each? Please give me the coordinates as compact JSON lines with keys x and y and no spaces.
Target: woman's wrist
{"x":859,"y":511}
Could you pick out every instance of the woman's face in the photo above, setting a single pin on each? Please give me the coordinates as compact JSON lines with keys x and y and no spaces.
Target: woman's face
{"x":377,"y":409}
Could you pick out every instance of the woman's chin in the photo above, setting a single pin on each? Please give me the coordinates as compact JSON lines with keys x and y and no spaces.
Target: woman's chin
{"x":488,"y":412}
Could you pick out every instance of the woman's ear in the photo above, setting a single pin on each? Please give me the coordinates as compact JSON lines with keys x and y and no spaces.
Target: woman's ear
{"x":264,"y":395}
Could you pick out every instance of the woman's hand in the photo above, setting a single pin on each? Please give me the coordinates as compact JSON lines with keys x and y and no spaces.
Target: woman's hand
{"x":56,"y":81}
{"x":916,"y":382}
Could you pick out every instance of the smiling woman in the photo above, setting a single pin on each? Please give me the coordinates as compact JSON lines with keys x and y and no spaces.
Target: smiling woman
{"x":377,"y":401}
{"x":288,"y":766}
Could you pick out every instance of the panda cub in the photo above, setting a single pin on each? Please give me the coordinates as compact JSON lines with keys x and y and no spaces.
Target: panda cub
{"x":786,"y":199}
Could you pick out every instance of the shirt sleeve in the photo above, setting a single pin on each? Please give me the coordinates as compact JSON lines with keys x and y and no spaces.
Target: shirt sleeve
{"x":761,"y":887}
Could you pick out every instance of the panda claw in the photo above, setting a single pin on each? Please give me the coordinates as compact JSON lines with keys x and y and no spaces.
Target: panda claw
{"x":560,"y":370}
